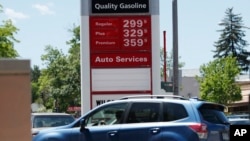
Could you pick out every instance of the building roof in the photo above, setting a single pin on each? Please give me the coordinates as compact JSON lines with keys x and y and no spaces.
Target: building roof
{"x":196,"y":72}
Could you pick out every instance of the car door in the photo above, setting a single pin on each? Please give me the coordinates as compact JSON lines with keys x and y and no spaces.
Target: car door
{"x":141,"y":123}
{"x":100,"y":125}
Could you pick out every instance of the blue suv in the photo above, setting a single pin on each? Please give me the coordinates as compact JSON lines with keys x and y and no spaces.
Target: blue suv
{"x":146,"y":118}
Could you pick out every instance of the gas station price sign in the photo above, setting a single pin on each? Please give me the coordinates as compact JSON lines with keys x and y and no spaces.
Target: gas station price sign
{"x":120,"y":33}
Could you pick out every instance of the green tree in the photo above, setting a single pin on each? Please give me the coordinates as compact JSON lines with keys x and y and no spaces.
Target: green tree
{"x":74,"y":75}
{"x":7,"y":39}
{"x":52,"y":80}
{"x":231,"y":40}
{"x":35,"y":74}
{"x":59,"y":83}
{"x":217,"y":81}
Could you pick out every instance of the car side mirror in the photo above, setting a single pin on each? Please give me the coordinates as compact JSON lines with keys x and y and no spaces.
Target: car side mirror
{"x":82,"y":125}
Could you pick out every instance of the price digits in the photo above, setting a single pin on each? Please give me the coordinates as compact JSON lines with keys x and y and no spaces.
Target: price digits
{"x":133,"y":42}
{"x":132,"y":31}
{"x":133,"y":23}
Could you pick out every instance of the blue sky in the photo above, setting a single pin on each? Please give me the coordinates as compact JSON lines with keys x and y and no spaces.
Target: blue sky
{"x":46,"y":22}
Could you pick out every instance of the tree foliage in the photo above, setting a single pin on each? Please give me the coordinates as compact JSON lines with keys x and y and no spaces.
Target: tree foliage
{"x":7,"y":39}
{"x":231,"y":40}
{"x":59,"y":83}
{"x":74,"y":75}
{"x":52,"y":80}
{"x":35,"y":74}
{"x":217,"y":81}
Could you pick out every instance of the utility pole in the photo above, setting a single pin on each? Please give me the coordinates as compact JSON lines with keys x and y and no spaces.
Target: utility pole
{"x":165,"y":57}
{"x":175,"y":49}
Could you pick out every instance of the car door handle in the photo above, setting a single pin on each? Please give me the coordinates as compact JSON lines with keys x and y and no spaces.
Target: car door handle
{"x":155,"y":130}
{"x":112,"y":133}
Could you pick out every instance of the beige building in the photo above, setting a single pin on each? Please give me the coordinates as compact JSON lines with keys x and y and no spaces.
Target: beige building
{"x":15,"y":98}
{"x":242,"y":106}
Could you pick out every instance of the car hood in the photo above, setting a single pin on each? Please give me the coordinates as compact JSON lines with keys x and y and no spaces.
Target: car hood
{"x":36,"y":130}
{"x":52,"y":128}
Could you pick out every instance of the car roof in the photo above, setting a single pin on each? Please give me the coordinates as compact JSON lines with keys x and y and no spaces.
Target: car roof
{"x":50,"y":114}
{"x":173,"y":98}
{"x":238,"y":119}
{"x":168,"y":98}
{"x":238,"y":116}
{"x":152,"y":98}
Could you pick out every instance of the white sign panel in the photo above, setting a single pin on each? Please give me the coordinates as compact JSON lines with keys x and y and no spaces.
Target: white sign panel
{"x":129,"y":79}
{"x":100,"y":99}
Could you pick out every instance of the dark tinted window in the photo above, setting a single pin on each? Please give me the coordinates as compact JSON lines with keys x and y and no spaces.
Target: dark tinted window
{"x":213,"y":113}
{"x":173,"y":111}
{"x":143,"y":112}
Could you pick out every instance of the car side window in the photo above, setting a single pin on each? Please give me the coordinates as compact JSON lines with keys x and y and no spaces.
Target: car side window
{"x":108,"y":115}
{"x":143,"y":112}
{"x":174,"y":111}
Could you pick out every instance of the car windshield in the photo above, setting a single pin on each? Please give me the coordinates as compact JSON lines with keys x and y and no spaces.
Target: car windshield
{"x":51,"y":121}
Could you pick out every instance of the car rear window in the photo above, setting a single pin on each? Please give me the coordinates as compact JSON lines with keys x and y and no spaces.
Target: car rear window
{"x":173,"y":111}
{"x":213,"y":113}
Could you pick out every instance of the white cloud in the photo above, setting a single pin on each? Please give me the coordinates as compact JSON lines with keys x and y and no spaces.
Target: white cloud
{"x":44,"y":9}
{"x":13,"y":15}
